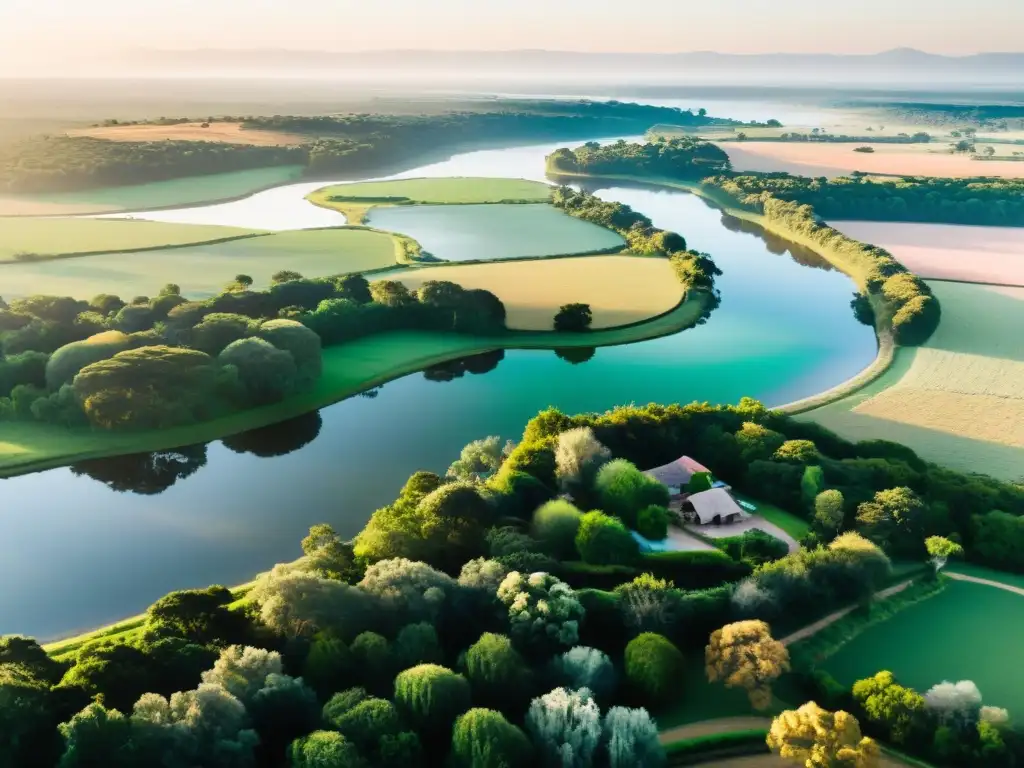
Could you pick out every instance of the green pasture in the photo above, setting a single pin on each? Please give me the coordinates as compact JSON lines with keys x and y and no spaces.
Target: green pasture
{"x":966,"y":632}
{"x":980,"y":572}
{"x":975,"y":323}
{"x":27,"y":237}
{"x":347,"y":369}
{"x":176,"y":192}
{"x":795,"y":526}
{"x":456,"y":190}
{"x":202,"y":270}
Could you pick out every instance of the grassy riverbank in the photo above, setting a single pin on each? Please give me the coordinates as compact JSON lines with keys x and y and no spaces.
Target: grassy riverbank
{"x":29,"y":239}
{"x":357,"y":199}
{"x":348,"y":369}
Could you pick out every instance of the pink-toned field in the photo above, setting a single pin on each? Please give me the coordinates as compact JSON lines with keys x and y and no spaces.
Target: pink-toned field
{"x":948,"y":252}
{"x":821,"y":159}
{"x":225,"y":133}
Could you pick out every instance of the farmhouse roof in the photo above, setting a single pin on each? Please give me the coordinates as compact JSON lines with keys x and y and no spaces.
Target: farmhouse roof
{"x":715,"y":502}
{"x":677,"y":472}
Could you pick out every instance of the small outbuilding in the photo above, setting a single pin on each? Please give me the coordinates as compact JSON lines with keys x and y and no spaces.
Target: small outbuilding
{"x":676,"y":474}
{"x":713,"y":507}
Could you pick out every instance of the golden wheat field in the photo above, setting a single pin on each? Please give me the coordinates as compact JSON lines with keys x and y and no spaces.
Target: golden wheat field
{"x":619,"y":289}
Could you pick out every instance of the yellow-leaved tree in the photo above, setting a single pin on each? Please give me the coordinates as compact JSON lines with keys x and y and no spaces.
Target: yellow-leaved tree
{"x":744,"y":655}
{"x":816,"y":738}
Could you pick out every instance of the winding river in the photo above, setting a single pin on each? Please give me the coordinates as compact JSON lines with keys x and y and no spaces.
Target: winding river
{"x":82,"y":546}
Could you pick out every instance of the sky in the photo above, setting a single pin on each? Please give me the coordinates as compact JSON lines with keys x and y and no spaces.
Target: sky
{"x":47,"y":33}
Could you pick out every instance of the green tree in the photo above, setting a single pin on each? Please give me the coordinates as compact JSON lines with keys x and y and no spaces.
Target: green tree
{"x":574,"y":318}
{"x":328,"y":662}
{"x":147,"y":388}
{"x":900,"y":711}
{"x":758,"y":442}
{"x":219,"y":329}
{"x":893,"y":518}
{"x":417,"y":644}
{"x":940,"y":549}
{"x":367,"y":722}
{"x":631,"y":739}
{"x":811,"y":484}
{"x":699,"y":481}
{"x":483,"y":738}
{"x":623,"y":490}
{"x":324,"y":749}
{"x":652,"y":522}
{"x":66,"y":362}
{"x":497,"y":673}
{"x":604,"y":540}
{"x":97,"y":737}
{"x":299,"y":341}
{"x":544,"y":612}
{"x":828,"y":510}
{"x":798,"y":452}
{"x":267,"y":374}
{"x":374,"y":661}
{"x":431,"y":697}
{"x":555,"y":525}
{"x":653,"y":667}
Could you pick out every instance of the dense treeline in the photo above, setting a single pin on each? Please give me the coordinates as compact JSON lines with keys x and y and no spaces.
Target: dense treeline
{"x":842,"y":138}
{"x":338,"y":144}
{"x":66,"y":164}
{"x":685,"y":157}
{"x":991,"y":202}
{"x":998,"y":116}
{"x":898,"y":299}
{"x":894,"y":298}
{"x":479,"y":615}
{"x":162,"y":362}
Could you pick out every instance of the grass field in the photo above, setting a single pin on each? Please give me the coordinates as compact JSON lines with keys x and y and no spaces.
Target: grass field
{"x":53,"y":237}
{"x":203,"y":270}
{"x":825,"y":159}
{"x":348,"y":369}
{"x":966,"y":632}
{"x":959,"y":399}
{"x":224,"y":133}
{"x":790,"y":523}
{"x":948,"y":252}
{"x":980,"y":572}
{"x":356,"y":200}
{"x":619,"y":289}
{"x":158,"y":194}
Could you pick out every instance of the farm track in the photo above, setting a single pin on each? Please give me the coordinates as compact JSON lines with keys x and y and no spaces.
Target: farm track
{"x":712,"y":727}
{"x":832,"y":618}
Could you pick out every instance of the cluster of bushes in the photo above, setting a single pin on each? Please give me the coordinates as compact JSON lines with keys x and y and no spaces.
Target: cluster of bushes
{"x":992,"y":202}
{"x":947,"y":725}
{"x":68,"y":164}
{"x":685,"y":157}
{"x":338,"y":144}
{"x":840,"y":138}
{"x":166,"y":361}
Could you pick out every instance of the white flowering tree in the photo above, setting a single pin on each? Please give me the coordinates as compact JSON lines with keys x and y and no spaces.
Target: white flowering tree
{"x":480,"y":459}
{"x":298,"y":603}
{"x":543,"y":611}
{"x":631,"y":739}
{"x":483,"y":574}
{"x":566,"y":728}
{"x":957,"y":704}
{"x":412,"y":590}
{"x":243,"y":670}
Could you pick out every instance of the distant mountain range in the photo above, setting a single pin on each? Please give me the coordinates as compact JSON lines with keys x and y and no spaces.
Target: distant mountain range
{"x":904,"y":63}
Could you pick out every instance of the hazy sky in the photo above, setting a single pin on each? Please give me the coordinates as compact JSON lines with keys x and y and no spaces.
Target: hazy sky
{"x":33,"y":31}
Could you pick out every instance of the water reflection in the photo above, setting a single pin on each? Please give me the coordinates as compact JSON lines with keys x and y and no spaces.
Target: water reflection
{"x":277,"y":439}
{"x":144,"y":473}
{"x":777,"y":245}
{"x":456,"y":369}
{"x":576,"y":355}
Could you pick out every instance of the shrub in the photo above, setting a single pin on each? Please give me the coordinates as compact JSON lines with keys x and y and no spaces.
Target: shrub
{"x":483,"y":738}
{"x":543,"y":612}
{"x":624,"y":490}
{"x":653,"y":667}
{"x":652,"y":522}
{"x":604,"y":540}
{"x":555,"y":525}
{"x":366,"y":722}
{"x":497,"y":673}
{"x":324,"y":749}
{"x":66,"y":362}
{"x":589,"y":668}
{"x":694,"y":570}
{"x":431,"y":697}
{"x":574,"y":318}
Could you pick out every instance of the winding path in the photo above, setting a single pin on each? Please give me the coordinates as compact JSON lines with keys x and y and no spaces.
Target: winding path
{"x":986,"y":582}
{"x":832,"y":618}
{"x":712,"y":727}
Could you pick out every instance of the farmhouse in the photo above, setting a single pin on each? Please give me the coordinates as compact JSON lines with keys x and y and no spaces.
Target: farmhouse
{"x":676,"y":475}
{"x":712,"y":507}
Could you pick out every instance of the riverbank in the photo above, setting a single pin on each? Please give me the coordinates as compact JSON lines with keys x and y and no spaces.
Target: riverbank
{"x":347,"y":370}
{"x":886,"y":344}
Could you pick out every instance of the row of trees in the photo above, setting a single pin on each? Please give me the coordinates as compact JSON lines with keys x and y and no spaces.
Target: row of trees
{"x":166,"y":361}
{"x":993,"y":202}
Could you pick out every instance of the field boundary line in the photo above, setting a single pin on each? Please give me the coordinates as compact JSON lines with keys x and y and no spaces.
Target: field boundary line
{"x":986,"y":582}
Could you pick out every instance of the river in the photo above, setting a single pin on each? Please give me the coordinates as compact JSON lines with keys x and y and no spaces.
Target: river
{"x":76,"y":552}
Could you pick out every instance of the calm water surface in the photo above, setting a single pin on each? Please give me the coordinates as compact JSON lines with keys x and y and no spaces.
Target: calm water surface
{"x":79,"y":548}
